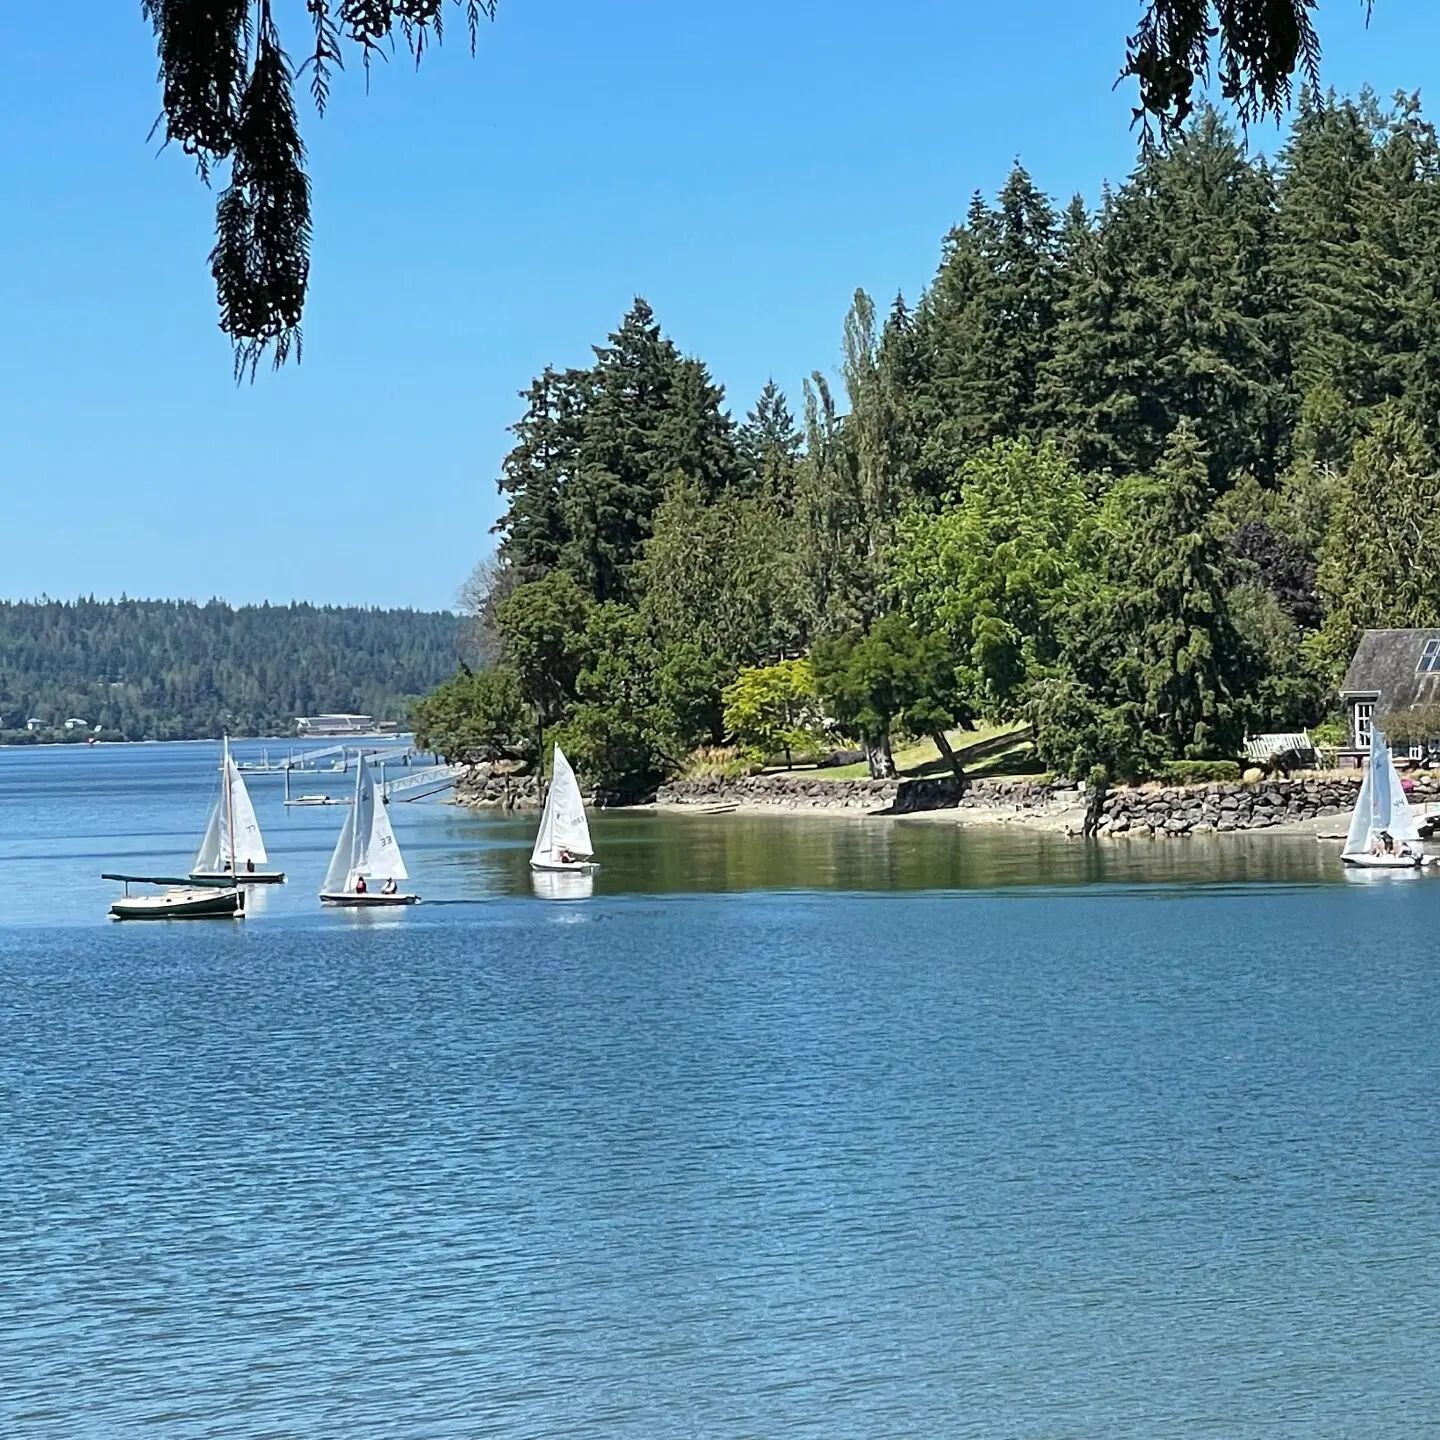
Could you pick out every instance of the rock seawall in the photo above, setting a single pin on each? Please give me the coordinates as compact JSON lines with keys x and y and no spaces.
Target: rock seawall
{"x":1147,"y":811}
{"x":500,"y":792}
{"x":1203,"y":809}
{"x":794,"y":792}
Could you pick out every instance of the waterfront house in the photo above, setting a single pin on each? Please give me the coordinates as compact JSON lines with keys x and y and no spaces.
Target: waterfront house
{"x":34,"y":723}
{"x":76,"y":723}
{"x":1393,"y":677}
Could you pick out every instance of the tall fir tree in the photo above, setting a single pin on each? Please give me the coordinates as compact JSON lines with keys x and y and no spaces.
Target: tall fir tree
{"x":1194,"y":668}
{"x":1382,"y":552}
{"x":535,"y":472}
{"x":769,"y":443}
{"x":1177,"y":320}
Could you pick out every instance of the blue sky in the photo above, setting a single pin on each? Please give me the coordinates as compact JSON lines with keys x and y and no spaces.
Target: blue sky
{"x":744,"y":166}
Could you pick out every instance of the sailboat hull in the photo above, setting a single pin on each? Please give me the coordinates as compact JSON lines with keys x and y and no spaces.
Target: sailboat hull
{"x":245,"y":877}
{"x":575,"y":867}
{"x":368,"y":901}
{"x":181,"y":905}
{"x":1383,"y":862}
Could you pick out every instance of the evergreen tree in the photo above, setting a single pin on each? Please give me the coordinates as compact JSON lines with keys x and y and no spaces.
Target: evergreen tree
{"x":1194,"y":669}
{"x":1344,"y":291}
{"x":769,"y":443}
{"x":1176,"y":320}
{"x":1382,"y":553}
{"x":536,"y":471}
{"x":988,"y":324}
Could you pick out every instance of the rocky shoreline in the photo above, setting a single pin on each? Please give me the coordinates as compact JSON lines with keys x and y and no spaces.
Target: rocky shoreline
{"x":1146,"y":811}
{"x":896,"y":797}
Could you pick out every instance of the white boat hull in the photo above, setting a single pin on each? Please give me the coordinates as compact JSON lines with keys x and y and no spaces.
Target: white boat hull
{"x":368,"y":900}
{"x":1383,"y":862}
{"x":558,"y":867}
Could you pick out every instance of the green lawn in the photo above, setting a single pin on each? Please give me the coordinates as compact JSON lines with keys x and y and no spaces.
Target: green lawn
{"x":923,"y":758}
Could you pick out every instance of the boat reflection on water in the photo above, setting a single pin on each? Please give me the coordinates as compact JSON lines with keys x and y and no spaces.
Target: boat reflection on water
{"x":563,"y":884}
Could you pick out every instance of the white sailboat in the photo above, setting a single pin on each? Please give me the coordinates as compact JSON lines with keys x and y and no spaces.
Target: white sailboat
{"x":367,"y":867}
{"x":233,"y":844}
{"x":563,"y":843}
{"x":1383,"y":834}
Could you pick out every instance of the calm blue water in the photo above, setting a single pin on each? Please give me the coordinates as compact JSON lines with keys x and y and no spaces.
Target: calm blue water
{"x":794,"y":1128}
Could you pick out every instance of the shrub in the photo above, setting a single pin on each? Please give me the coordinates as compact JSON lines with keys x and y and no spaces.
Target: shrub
{"x":1200,"y":772}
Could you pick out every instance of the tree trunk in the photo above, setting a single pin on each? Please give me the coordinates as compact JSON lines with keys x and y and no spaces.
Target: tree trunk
{"x":881,"y":761}
{"x":942,"y":744}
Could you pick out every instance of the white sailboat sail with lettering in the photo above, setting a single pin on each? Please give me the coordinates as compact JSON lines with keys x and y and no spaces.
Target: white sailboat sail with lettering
{"x":564,"y":840}
{"x":1383,"y":834}
{"x":232,"y":843}
{"x":367,"y":866}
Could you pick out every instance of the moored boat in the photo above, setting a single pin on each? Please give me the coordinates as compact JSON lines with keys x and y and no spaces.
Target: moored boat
{"x":233,"y":848}
{"x":177,"y":902}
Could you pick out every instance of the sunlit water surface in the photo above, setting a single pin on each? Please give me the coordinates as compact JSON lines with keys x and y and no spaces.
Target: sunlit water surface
{"x":791,"y":1128}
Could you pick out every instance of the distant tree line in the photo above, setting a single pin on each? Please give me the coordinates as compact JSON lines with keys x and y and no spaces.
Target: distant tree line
{"x":176,"y":670}
{"x":1138,"y":475}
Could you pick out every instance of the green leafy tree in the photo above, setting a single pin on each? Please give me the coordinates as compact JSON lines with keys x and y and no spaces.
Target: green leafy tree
{"x":620,"y":733}
{"x":991,"y":570}
{"x":476,"y":717}
{"x":542,"y":627}
{"x":773,"y":709}
{"x":890,"y":676}
{"x":724,"y":575}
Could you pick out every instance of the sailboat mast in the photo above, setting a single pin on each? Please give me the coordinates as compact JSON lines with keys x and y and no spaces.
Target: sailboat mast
{"x":229,"y":799}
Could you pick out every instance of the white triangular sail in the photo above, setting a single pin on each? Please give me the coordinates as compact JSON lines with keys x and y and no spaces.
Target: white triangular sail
{"x":367,"y":844}
{"x":383,"y":860}
{"x":1402,"y":817}
{"x":1381,"y":804}
{"x":337,"y":876}
{"x":563,"y":825}
{"x":210,"y":858}
{"x":232,"y":835}
{"x":249,"y":843}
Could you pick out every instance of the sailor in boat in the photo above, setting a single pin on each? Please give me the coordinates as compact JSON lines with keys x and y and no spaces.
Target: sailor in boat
{"x":565,"y":857}
{"x":390,"y":887}
{"x":360,"y":886}
{"x":249,"y":867}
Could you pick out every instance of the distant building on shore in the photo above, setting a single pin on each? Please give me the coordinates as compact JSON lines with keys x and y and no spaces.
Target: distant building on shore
{"x":34,"y":723}
{"x":334,"y":727}
{"x":1393,"y":681}
{"x":76,"y":723}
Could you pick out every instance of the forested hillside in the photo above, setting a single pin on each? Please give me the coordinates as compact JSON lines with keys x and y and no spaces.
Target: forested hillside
{"x":171,"y":670}
{"x":1138,"y":475}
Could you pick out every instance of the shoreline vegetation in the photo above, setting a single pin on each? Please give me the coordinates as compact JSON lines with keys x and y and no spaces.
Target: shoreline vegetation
{"x":1135,"y":477}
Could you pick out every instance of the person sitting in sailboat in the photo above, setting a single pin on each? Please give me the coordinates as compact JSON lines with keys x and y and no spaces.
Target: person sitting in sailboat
{"x":390,"y":887}
{"x":360,"y":886}
{"x":565,"y":857}
{"x":1383,"y":843}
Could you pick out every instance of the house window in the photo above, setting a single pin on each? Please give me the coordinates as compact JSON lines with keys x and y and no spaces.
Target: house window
{"x":1429,"y":658}
{"x":1364,"y":713}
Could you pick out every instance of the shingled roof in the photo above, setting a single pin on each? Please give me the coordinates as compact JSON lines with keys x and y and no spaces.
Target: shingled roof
{"x":1387,"y":665}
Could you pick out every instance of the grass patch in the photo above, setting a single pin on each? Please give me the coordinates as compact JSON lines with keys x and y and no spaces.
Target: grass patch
{"x":920,"y":758}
